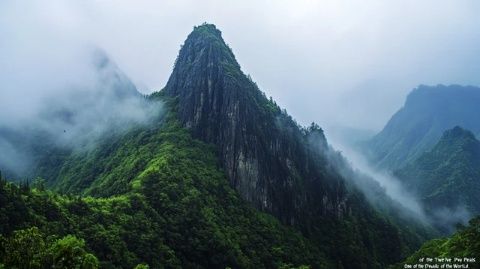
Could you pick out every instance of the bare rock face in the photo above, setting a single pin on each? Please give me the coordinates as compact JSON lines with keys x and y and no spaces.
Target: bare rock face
{"x":269,"y":159}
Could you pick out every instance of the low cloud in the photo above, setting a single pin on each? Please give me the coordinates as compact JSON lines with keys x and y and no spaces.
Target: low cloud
{"x":375,"y":183}
{"x":58,"y":87}
{"x":335,"y":62}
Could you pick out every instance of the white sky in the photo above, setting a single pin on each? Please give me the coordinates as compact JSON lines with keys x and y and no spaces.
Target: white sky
{"x":336,"y":62}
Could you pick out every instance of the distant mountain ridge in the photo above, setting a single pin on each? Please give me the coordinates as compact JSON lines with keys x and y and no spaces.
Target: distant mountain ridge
{"x":107,"y":103}
{"x":419,"y":124}
{"x":447,"y":176}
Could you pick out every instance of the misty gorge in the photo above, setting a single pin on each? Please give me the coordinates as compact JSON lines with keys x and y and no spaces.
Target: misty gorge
{"x":334,"y":144}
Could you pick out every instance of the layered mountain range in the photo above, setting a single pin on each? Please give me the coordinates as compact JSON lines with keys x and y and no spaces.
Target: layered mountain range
{"x":418,"y":125}
{"x":431,"y":146}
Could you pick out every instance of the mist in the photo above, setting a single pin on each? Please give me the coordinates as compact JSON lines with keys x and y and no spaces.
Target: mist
{"x":354,"y":60}
{"x":59,"y":88}
{"x":363,"y":174}
{"x":393,"y":188}
{"x":72,"y":109}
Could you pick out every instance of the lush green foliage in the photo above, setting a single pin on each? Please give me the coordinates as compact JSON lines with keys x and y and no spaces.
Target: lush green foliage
{"x":178,"y":210}
{"x":465,"y":243}
{"x":448,"y":175}
{"x":29,"y":248}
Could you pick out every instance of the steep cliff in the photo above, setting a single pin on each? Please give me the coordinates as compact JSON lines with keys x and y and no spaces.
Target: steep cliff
{"x":265,"y":154}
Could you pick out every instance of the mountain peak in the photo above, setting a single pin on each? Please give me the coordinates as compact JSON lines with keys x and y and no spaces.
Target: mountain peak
{"x":205,"y":35}
{"x":458,"y":140}
{"x":208,"y":29}
{"x":203,"y":55}
{"x":450,"y":168}
{"x":262,"y":149}
{"x":206,"y":41}
{"x":457,"y":132}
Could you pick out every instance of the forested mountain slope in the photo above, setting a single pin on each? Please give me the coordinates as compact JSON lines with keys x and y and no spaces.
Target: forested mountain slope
{"x":107,"y":103}
{"x":464,"y":244}
{"x":449,"y":174}
{"x":178,"y":212}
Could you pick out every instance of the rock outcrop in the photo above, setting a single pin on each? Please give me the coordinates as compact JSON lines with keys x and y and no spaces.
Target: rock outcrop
{"x":269,"y":159}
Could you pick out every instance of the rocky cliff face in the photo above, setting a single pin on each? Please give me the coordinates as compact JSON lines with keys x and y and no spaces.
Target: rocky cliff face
{"x":269,"y":160}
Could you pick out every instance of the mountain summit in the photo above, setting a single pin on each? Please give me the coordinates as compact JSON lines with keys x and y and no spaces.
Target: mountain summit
{"x":263,"y":151}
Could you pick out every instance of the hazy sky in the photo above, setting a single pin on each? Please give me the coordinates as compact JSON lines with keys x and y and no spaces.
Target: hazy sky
{"x":338,"y":62}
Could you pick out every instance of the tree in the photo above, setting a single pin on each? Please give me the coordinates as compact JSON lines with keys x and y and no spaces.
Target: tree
{"x":28,"y":249}
{"x":24,"y":249}
{"x":69,"y":252}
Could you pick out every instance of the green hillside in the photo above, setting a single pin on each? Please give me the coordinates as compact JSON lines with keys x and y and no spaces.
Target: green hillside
{"x":176,"y":211}
{"x":449,"y":174}
{"x":464,"y":244}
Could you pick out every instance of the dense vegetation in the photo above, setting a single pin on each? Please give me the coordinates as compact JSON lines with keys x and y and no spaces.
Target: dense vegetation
{"x":178,"y":211}
{"x":419,"y":124}
{"x":465,"y":243}
{"x":29,"y":248}
{"x":439,"y":164}
{"x":449,"y":175}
